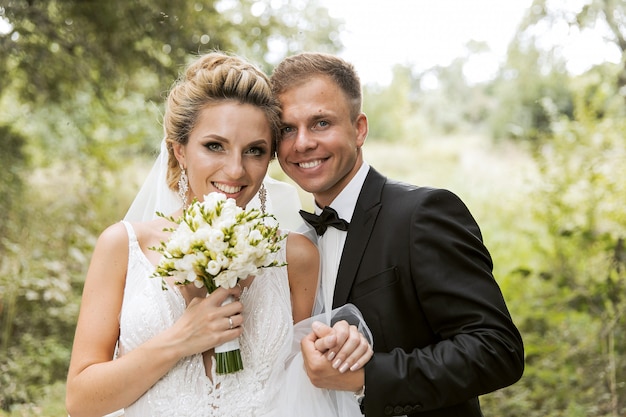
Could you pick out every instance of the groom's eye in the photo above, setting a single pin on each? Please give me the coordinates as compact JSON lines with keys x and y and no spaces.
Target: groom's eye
{"x":286,"y":130}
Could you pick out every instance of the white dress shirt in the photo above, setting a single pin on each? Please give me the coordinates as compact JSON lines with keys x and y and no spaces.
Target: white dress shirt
{"x":331,"y":243}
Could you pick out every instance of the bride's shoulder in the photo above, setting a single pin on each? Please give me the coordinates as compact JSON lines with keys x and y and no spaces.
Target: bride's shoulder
{"x":152,"y":232}
{"x":148,"y":233}
{"x":300,"y":245}
{"x":302,"y":254}
{"x":113,"y":235}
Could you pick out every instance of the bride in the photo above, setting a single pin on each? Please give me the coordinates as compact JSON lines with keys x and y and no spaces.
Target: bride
{"x":147,"y":352}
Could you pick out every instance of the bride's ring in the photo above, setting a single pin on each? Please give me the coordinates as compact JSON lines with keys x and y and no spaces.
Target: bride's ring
{"x":230,"y":322}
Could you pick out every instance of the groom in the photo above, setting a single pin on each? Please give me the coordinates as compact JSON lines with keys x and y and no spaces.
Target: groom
{"x":412,"y":260}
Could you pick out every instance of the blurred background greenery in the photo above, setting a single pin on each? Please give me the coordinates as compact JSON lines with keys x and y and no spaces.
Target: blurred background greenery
{"x":537,"y":153}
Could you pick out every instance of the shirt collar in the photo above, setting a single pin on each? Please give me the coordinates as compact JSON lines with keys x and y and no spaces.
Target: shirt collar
{"x":345,"y":202}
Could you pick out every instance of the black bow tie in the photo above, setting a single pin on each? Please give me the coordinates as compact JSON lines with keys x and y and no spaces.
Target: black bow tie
{"x":328,"y":217}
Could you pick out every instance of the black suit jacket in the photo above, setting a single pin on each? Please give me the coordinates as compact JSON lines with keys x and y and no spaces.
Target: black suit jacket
{"x":415,"y":265}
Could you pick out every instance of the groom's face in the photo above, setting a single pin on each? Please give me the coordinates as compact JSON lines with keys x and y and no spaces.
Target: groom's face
{"x":320,"y":145}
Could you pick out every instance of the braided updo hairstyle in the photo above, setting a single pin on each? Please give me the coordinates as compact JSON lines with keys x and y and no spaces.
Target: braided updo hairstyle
{"x":214,"y":78}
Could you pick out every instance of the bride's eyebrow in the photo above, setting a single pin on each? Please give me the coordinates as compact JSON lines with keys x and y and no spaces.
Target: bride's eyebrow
{"x":259,"y":142}
{"x":214,"y":136}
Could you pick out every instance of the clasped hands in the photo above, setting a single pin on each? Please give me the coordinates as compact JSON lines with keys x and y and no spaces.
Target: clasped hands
{"x":334,"y":356}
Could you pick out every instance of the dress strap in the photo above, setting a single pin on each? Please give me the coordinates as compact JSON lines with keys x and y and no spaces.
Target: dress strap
{"x":132,"y":237}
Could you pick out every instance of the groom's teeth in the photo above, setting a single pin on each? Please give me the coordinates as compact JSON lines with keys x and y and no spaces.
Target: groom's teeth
{"x":228,"y":189}
{"x":310,"y":164}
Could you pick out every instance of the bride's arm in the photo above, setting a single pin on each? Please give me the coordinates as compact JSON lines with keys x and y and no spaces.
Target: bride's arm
{"x":97,"y":384}
{"x":303,"y":270}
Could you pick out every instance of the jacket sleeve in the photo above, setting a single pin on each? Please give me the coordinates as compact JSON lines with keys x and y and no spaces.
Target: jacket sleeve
{"x":474,"y":347}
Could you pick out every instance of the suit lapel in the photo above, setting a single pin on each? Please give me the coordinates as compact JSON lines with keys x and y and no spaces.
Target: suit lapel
{"x":359,"y":231}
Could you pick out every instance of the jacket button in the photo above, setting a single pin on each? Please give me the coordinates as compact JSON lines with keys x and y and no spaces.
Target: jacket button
{"x":398,"y":409}
{"x":388,"y":410}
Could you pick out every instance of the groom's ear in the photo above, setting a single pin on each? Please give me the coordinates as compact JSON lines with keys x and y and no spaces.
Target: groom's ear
{"x":361,"y":129}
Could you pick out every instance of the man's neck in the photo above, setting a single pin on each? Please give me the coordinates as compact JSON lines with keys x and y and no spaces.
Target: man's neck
{"x":345,"y":201}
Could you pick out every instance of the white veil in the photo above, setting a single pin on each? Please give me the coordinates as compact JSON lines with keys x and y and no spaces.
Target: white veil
{"x":155,"y":196}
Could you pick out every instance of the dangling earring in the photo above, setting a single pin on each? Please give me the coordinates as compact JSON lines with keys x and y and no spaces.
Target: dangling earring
{"x":262,"y":197}
{"x":183,"y":186}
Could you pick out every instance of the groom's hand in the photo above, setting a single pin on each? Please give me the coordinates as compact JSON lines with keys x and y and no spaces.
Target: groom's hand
{"x":343,"y":345}
{"x":334,"y":357}
{"x":321,"y":372}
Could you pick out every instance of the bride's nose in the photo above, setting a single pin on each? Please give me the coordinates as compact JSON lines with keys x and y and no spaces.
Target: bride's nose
{"x":233,"y":166}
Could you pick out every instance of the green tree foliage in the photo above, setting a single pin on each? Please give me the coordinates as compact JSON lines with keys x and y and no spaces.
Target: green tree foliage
{"x":534,"y":74}
{"x":583,"y":164}
{"x":606,"y":15}
{"x":390,"y":108}
{"x":572,"y":312}
{"x":13,"y":162}
{"x":438,"y":100}
{"x":455,"y":104}
{"x":528,"y":78}
{"x":54,"y":46}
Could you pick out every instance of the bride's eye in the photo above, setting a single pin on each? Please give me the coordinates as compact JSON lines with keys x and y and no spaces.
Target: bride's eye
{"x":214,"y":146}
{"x":256,"y":151}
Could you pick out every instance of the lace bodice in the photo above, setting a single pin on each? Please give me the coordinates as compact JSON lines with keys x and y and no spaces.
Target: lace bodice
{"x":265,"y":346}
{"x":185,"y":390}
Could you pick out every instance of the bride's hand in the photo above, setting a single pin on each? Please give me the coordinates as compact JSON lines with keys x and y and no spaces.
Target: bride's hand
{"x":343,"y":345}
{"x":206,"y":323}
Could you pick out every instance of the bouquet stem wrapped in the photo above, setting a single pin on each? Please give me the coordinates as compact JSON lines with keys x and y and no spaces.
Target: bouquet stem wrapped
{"x":227,"y":355}
{"x":216,"y":244}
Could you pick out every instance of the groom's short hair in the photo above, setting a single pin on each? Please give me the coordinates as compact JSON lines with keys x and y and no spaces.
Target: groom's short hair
{"x":297,"y":69}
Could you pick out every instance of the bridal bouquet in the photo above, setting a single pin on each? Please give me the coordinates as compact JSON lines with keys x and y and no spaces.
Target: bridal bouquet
{"x":215,"y":245}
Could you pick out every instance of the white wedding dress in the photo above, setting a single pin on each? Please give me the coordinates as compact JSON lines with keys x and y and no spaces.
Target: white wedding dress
{"x":273,"y":381}
{"x":147,"y":310}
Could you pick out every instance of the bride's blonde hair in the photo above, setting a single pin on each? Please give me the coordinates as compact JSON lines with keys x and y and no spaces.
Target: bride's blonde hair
{"x":211,"y":79}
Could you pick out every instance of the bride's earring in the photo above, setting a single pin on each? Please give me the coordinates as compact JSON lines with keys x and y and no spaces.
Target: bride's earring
{"x":263,"y":197}
{"x":183,"y":186}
